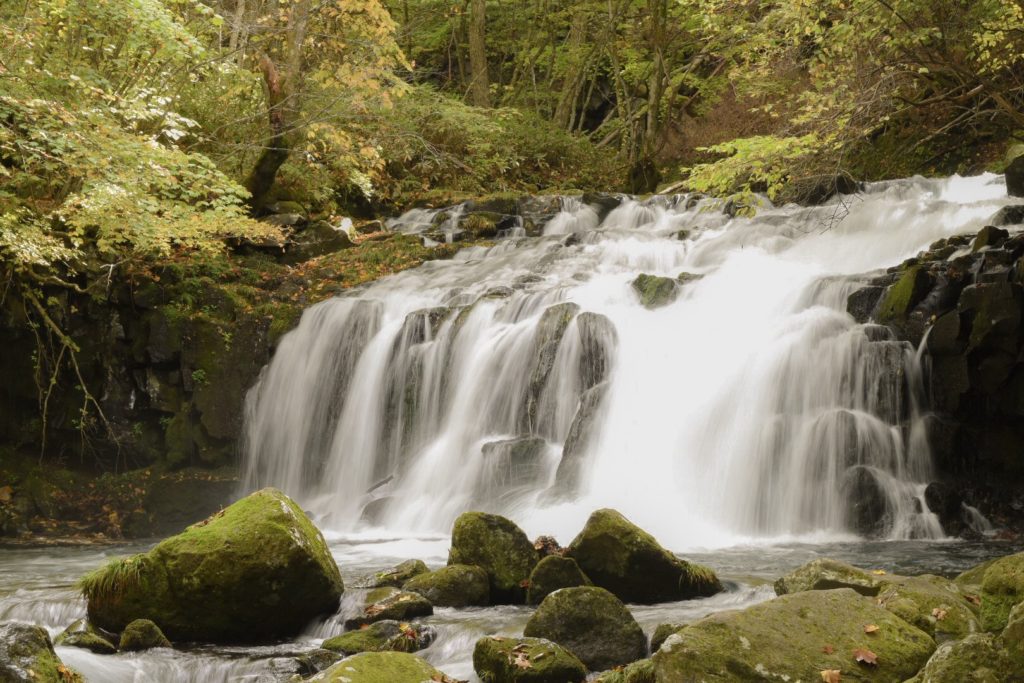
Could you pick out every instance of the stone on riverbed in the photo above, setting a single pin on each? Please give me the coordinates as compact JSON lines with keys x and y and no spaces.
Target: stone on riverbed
{"x":975,"y":659}
{"x":525,"y":660}
{"x":1001,"y":589}
{"x":381,"y":667}
{"x":390,"y":603}
{"x":500,"y":548}
{"x":796,"y":637}
{"x":86,"y":636}
{"x":623,"y":558}
{"x":592,"y":624}
{"x":396,"y":576}
{"x":661,"y":634}
{"x":27,"y":656}
{"x":457,"y":585}
{"x":637,"y":672}
{"x":825,"y":574}
{"x":382,"y":636}
{"x":142,"y":634}
{"x":254,"y":571}
{"x":552,"y":573}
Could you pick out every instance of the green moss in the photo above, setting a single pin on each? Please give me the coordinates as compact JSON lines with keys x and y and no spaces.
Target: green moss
{"x":901,"y":298}
{"x":552,"y":573}
{"x":381,"y":667}
{"x":795,"y":637}
{"x":1002,"y":588}
{"x":661,"y":634}
{"x":390,"y":603}
{"x":525,"y":660}
{"x":500,"y":548}
{"x":388,"y":635}
{"x":975,"y":659}
{"x":86,"y":636}
{"x":655,"y":291}
{"x":970,"y":581}
{"x":457,"y":585}
{"x":26,"y":654}
{"x":637,"y":672}
{"x":142,"y":634}
{"x":825,"y":574}
{"x":398,"y":575}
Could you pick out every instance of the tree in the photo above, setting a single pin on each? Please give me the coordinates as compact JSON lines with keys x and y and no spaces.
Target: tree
{"x":479,"y":90}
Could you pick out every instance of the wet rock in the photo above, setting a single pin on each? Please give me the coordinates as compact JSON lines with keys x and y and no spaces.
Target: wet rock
{"x":655,"y":291}
{"x":1008,"y":215}
{"x":598,"y":339}
{"x":385,"y":635}
{"x":637,"y":672}
{"x":592,"y":624}
{"x":522,"y":660}
{"x":397,"y":576}
{"x":1015,"y":177}
{"x":975,"y":659}
{"x":818,"y":189}
{"x":603,"y":204}
{"x":827,"y":574}
{"x":861,"y":304}
{"x":318,"y":239}
{"x":500,"y":548}
{"x":86,"y":636}
{"x":546,"y":546}
{"x":381,"y":667}
{"x":512,"y":464}
{"x":988,"y":237}
{"x":1001,"y":589}
{"x":315,"y":661}
{"x":775,"y":641}
{"x":901,"y":298}
{"x":457,"y":585}
{"x":390,"y":603}
{"x":552,"y":573}
{"x":944,"y":336}
{"x":27,"y":656}
{"x":947,"y":503}
{"x":255,"y":571}
{"x":584,"y":424}
{"x":995,"y":313}
{"x":931,"y":603}
{"x":865,"y":501}
{"x":661,"y":634}
{"x":550,"y":330}
{"x":142,"y":634}
{"x":623,"y":558}
{"x":685,"y":278}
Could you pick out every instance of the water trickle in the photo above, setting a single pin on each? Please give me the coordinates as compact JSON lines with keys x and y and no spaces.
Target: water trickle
{"x":526,"y":378}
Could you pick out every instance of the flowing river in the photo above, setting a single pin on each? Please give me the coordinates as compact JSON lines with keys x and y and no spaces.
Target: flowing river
{"x":741,"y":422}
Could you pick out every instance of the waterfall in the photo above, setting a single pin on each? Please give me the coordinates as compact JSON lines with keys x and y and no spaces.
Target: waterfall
{"x":527,"y":379}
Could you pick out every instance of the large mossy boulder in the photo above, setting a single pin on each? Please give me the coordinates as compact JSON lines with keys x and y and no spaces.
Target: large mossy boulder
{"x":796,"y":637}
{"x":397,"y":576}
{"x":661,"y":634}
{"x":552,"y":573}
{"x":381,"y":667}
{"x":637,"y":672}
{"x":497,"y":546}
{"x":254,"y":571}
{"x":825,"y":574}
{"x":592,"y":623}
{"x":975,"y":659}
{"x":86,"y":636}
{"x":457,"y":585}
{"x":623,"y":558}
{"x":27,"y":656}
{"x":525,"y":660}
{"x":390,"y":603}
{"x":382,"y":636}
{"x":1012,"y":638}
{"x":142,"y":634}
{"x":1001,"y":589}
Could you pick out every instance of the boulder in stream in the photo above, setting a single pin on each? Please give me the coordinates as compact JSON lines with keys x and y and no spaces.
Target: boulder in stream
{"x":255,"y":571}
{"x":387,"y":635}
{"x":457,"y":585}
{"x":27,"y":656}
{"x":623,"y":558}
{"x":390,"y":603}
{"x":637,"y":672}
{"x":381,"y":667}
{"x":500,"y":548}
{"x":525,"y":660}
{"x":397,"y":576}
{"x":975,"y":659}
{"x":86,"y":636}
{"x":655,"y":291}
{"x":592,"y":624}
{"x":1001,"y":589}
{"x":142,"y":634}
{"x":552,"y":573}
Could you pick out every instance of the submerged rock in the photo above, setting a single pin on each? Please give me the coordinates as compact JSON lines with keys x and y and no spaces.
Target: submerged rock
{"x":500,"y":548}
{"x":27,"y":656}
{"x":592,"y":623}
{"x":522,"y":660}
{"x":975,"y":659}
{"x":552,"y":573}
{"x":457,"y":585}
{"x":86,"y":636}
{"x":142,"y":634}
{"x":397,"y":576}
{"x":1001,"y":589}
{"x":387,"y":635}
{"x":655,"y":291}
{"x":795,"y":637}
{"x":381,"y":667}
{"x":623,"y":558}
{"x":257,"y":570}
{"x":390,"y":603}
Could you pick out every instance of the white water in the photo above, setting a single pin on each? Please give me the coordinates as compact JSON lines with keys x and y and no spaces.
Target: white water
{"x":740,"y":413}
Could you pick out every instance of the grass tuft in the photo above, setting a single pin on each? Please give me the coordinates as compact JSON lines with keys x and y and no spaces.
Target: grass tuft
{"x":109,"y":582}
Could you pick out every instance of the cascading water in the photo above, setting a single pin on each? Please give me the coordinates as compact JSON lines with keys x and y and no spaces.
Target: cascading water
{"x":527,"y":379}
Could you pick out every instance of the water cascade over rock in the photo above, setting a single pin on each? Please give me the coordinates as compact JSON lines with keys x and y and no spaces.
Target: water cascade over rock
{"x":527,"y":378}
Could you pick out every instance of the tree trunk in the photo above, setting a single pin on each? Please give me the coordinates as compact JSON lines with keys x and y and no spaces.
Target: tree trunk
{"x":275,"y":153}
{"x":479,"y":87}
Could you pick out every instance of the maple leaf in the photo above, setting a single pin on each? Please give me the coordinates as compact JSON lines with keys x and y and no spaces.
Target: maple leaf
{"x":939,"y":613}
{"x":830,"y":675}
{"x":522,"y":661}
{"x":870,"y":628}
{"x":865,"y":656}
{"x":828,"y":649}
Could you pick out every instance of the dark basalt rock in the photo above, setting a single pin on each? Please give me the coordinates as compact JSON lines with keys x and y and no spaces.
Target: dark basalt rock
{"x":1015,"y":177}
{"x":1008,"y":215}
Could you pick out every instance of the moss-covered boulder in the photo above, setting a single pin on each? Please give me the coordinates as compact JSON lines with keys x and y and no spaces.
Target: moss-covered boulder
{"x":1001,"y":589}
{"x":390,"y":603}
{"x":796,"y":637}
{"x":637,"y":672}
{"x":661,"y":634}
{"x":396,"y":576}
{"x":382,"y":636}
{"x":825,"y":574}
{"x":975,"y":659}
{"x":86,"y":636}
{"x":142,"y":634}
{"x":27,"y":656}
{"x":522,"y":660}
{"x":550,"y":574}
{"x":655,"y":291}
{"x":313,"y":662}
{"x":592,"y":623}
{"x":381,"y":667}
{"x":1012,"y":638}
{"x":457,"y":585}
{"x":901,"y":298}
{"x":623,"y":558}
{"x":989,"y":236}
{"x":969,"y":582}
{"x":931,"y":603}
{"x":254,"y":571}
{"x":500,"y":548}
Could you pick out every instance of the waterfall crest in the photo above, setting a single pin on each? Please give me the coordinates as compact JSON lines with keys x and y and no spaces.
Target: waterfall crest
{"x":527,"y":379}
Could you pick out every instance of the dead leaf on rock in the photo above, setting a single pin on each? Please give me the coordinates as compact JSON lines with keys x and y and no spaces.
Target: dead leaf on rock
{"x":939,"y":614}
{"x":865,"y":656}
{"x":870,"y":628}
{"x":828,"y":649}
{"x":878,"y":572}
{"x":830,"y":676}
{"x":522,"y":661}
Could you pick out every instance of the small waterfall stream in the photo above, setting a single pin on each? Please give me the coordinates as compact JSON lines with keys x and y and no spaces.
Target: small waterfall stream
{"x":527,"y":379}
